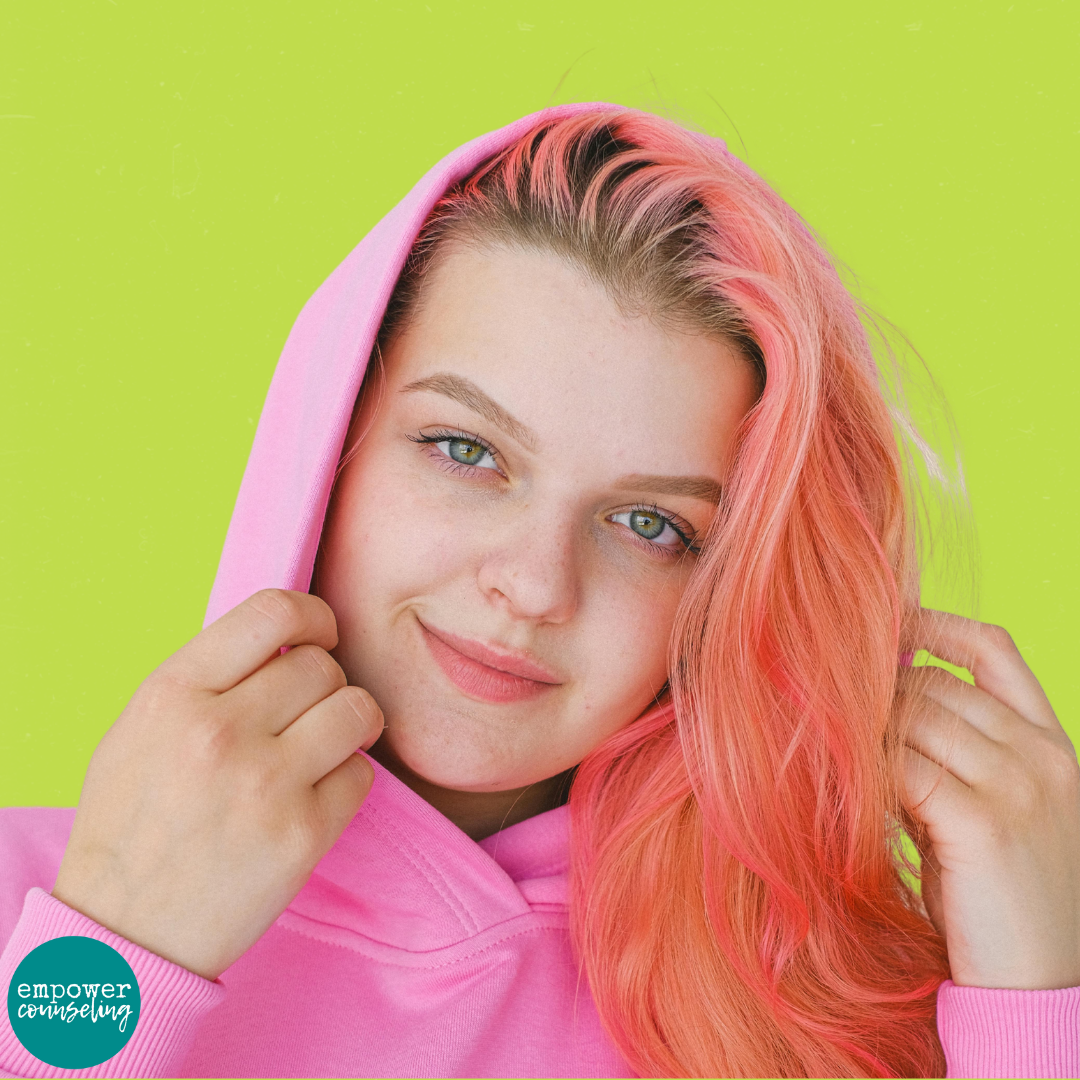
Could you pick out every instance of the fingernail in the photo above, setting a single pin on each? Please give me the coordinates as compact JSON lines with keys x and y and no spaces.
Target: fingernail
{"x":907,"y":659}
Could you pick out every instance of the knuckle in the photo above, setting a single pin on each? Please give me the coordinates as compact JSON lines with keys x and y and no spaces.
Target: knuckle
{"x":928,"y":684}
{"x":279,"y":606}
{"x":363,"y":775}
{"x":156,"y":696}
{"x":211,"y":739}
{"x":1062,"y":767}
{"x":363,"y":704}
{"x":165,"y":703}
{"x":932,"y":675}
{"x":1029,"y":789}
{"x":320,"y":664}
{"x":998,"y":638}
{"x":255,"y":775}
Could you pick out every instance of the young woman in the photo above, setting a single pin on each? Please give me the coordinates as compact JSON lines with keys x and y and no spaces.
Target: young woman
{"x":607,"y":564}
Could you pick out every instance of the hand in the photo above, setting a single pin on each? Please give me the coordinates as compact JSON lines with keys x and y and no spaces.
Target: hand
{"x":994,"y":778}
{"x":228,"y":776}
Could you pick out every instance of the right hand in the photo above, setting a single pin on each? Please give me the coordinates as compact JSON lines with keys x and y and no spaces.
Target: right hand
{"x":229,"y":775}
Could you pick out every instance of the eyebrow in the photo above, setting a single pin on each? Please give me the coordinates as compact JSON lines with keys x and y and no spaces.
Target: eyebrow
{"x":472,"y":397}
{"x":694,"y":487}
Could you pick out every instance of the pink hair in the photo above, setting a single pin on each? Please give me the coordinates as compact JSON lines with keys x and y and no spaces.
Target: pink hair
{"x":739,"y":900}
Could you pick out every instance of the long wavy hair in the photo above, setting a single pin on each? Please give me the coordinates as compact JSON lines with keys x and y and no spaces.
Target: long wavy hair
{"x":740,"y":902}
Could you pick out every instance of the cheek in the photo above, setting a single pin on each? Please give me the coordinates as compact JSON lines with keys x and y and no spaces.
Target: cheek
{"x":394,"y":541}
{"x":627,"y":640}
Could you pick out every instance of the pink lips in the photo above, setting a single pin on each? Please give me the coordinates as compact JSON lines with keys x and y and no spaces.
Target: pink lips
{"x":486,"y":673}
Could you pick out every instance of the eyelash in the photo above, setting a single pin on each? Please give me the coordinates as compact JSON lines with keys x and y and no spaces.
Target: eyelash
{"x":448,"y":463}
{"x":681,"y":527}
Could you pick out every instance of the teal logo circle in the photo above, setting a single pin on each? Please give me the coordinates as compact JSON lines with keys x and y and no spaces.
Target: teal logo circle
{"x":74,"y":1002}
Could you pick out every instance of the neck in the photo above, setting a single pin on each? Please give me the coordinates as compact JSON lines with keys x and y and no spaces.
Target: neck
{"x":480,"y":813}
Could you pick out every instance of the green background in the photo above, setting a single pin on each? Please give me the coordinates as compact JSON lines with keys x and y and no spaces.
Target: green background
{"x":178,"y":179}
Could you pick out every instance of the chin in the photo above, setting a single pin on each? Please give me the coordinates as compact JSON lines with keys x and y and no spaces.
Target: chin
{"x":466,"y":756}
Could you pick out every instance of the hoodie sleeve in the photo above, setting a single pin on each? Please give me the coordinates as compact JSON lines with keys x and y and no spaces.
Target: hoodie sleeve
{"x":174,"y":1000}
{"x":992,"y":1033}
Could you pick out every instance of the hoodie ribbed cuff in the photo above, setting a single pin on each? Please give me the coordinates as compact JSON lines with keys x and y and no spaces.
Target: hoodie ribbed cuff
{"x":990,"y":1033}
{"x":173,"y":999}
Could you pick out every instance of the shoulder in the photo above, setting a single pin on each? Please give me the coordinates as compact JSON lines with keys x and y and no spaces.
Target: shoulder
{"x":32,"y":842}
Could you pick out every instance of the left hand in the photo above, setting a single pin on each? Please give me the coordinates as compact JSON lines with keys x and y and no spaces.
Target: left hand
{"x":992,"y":775}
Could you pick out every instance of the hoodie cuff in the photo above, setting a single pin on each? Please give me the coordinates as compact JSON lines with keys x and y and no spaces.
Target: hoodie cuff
{"x":990,"y":1033}
{"x":173,"y":999}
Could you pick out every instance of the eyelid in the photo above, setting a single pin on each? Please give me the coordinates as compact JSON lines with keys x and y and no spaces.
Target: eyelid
{"x":455,"y":435}
{"x":685,"y":530}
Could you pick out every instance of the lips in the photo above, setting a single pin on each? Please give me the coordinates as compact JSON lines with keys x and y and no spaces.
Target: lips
{"x":485,"y":673}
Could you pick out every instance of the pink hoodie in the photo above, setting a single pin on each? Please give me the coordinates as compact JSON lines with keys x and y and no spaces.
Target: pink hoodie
{"x":412,"y":950}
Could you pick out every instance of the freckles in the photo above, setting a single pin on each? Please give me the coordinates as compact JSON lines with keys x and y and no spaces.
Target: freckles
{"x":626,"y":638}
{"x":638,"y":613}
{"x":440,"y":540}
{"x":407,"y":539}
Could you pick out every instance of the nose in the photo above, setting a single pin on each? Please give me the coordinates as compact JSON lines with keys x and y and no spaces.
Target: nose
{"x":531,"y":570}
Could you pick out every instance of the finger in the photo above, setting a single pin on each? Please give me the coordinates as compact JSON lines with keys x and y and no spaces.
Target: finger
{"x":993,"y":659}
{"x":281,"y":690}
{"x":342,"y":790}
{"x":975,"y":706}
{"x":243,"y":639}
{"x":329,"y":732}
{"x":931,"y":792}
{"x":949,"y":741}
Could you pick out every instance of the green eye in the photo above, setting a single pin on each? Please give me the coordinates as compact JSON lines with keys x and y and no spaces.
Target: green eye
{"x":468,"y":453}
{"x":460,"y":448}
{"x":646,"y":524}
{"x":465,"y":452}
{"x":655,"y":527}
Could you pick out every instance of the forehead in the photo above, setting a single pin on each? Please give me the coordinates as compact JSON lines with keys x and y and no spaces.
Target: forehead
{"x":551,"y":346}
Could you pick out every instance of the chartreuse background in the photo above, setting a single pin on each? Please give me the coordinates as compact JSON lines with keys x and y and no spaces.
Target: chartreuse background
{"x":178,"y":179}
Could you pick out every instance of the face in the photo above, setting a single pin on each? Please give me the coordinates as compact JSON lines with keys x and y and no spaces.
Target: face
{"x":506,"y":551}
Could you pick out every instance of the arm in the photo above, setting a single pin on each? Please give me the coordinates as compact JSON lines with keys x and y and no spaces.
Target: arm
{"x":174,"y":1000}
{"x":1009,"y":1032}
{"x":205,"y":808}
{"x":993,"y":778}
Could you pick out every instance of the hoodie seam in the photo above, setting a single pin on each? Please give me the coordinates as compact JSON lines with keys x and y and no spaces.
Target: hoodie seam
{"x":428,"y":870}
{"x":502,"y":939}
